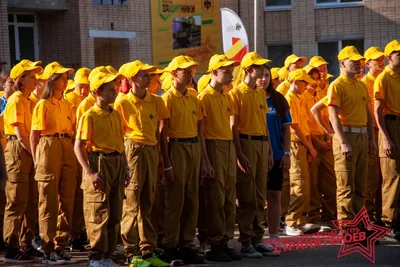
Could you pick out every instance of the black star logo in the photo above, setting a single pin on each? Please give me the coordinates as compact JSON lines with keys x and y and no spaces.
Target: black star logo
{"x":207,"y":4}
{"x":261,"y":106}
{"x":194,"y":112}
{"x":151,"y":116}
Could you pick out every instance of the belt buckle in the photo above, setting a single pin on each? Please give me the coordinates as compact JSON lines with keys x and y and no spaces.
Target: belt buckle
{"x":62,"y":135}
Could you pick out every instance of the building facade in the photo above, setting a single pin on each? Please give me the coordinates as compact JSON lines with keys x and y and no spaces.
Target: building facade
{"x":97,"y":32}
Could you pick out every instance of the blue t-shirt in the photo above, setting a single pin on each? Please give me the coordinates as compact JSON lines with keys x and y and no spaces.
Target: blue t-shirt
{"x":3,"y":103}
{"x":275,"y":125}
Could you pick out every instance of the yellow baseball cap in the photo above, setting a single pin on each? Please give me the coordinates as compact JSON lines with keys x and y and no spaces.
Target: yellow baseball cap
{"x":328,"y":76}
{"x":300,"y":75}
{"x":29,"y":62}
{"x":132,"y":68}
{"x":166,"y":80}
{"x":181,"y":62}
{"x":274,"y":73}
{"x":217,"y":61}
{"x":70,"y":85}
{"x":392,"y":47}
{"x":350,"y":52}
{"x":81,"y":76}
{"x":111,"y":69}
{"x":253,"y":58}
{"x":21,"y":67}
{"x":54,"y":68}
{"x":373,"y":53}
{"x":203,"y":82}
{"x":101,"y":78}
{"x":317,"y":61}
{"x":157,"y":72}
{"x":308,"y":68}
{"x":293,"y":59}
{"x":96,"y":71}
{"x":283,"y":73}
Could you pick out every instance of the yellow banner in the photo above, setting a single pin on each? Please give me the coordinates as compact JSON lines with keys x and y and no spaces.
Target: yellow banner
{"x":185,"y":27}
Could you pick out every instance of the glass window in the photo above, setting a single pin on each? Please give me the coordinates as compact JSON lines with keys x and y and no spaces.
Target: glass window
{"x":329,"y":52}
{"x":10,"y":18}
{"x":26,"y":43}
{"x":11,"y":35}
{"x":278,"y":2}
{"x":336,"y":1}
{"x":110,"y":2}
{"x":26,"y":18}
{"x":278,"y":54}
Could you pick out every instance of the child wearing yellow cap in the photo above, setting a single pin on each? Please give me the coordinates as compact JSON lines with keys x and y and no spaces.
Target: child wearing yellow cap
{"x":254,"y":154}
{"x":351,"y":120}
{"x":387,"y":114}
{"x":375,"y":61}
{"x":20,"y":216}
{"x":81,"y":87}
{"x":182,"y":156}
{"x":53,"y":126}
{"x":105,"y":171}
{"x":292,"y":62}
{"x":141,"y":113}
{"x":302,"y":151}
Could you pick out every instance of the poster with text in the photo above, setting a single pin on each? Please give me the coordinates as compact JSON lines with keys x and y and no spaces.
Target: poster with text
{"x":182,"y":27}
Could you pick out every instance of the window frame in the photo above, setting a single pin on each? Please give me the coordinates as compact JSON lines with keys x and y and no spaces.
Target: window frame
{"x":338,"y":4}
{"x":16,"y":25}
{"x":112,"y":3}
{"x":280,"y":44}
{"x":277,"y":8}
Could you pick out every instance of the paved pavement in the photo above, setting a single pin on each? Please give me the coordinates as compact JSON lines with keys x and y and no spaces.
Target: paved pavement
{"x":387,"y":254}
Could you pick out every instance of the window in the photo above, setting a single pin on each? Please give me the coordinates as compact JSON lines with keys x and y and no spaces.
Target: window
{"x":277,"y":5}
{"x":278,"y":54}
{"x":110,"y":2}
{"x":337,"y":2}
{"x":330,"y":50}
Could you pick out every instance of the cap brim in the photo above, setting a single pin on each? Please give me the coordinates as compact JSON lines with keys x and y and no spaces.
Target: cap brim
{"x":187,"y":65}
{"x":35,"y":69}
{"x":319,"y":63}
{"x":307,"y":79}
{"x":303,"y":59}
{"x":112,"y":77}
{"x":157,"y":71}
{"x":377,"y":55}
{"x":64,"y":70}
{"x":356,"y":58}
{"x":261,"y":61}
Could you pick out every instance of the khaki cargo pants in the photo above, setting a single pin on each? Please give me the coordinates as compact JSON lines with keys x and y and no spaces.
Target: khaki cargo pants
{"x":103,"y":209}
{"x":251,"y":192}
{"x":351,"y":175}
{"x":56,"y":177}
{"x":21,"y":210}
{"x":137,"y":230}
{"x":391,"y":176}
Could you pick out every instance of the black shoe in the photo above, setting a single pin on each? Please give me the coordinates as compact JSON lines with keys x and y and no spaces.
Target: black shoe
{"x":76,"y":244}
{"x":31,"y":251}
{"x":53,"y":259}
{"x":232,"y":253}
{"x":170,"y":255}
{"x":188,"y":256}
{"x":218,"y":253}
{"x":68,"y":259}
{"x":14,"y":255}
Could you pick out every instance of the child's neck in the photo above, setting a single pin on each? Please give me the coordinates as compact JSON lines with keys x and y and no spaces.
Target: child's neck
{"x":103,"y":105}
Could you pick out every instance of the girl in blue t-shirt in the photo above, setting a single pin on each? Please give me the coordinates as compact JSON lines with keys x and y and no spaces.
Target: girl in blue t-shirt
{"x":278,"y":121}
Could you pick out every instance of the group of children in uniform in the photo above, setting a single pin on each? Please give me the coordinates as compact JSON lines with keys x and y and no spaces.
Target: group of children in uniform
{"x":107,"y":152}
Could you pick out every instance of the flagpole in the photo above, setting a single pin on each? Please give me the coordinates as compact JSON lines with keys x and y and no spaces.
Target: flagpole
{"x":255,"y":24}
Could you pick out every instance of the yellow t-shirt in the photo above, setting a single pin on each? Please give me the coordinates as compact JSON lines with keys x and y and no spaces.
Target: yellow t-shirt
{"x":369,"y":81}
{"x":74,"y":98}
{"x":217,"y":109}
{"x":351,"y":96}
{"x":34,"y":100}
{"x":18,"y":110}
{"x":251,"y":107}
{"x":102,"y":130}
{"x":184,"y":112}
{"x":309,"y":102}
{"x":283,"y":87}
{"x":86,"y":103}
{"x":140,"y":117}
{"x":387,"y":87}
{"x":298,"y":111}
{"x":52,"y":116}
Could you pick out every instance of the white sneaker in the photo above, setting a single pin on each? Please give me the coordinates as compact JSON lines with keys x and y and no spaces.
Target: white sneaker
{"x":292,"y":231}
{"x":325,"y":228}
{"x":309,"y":228}
{"x":109,"y":263}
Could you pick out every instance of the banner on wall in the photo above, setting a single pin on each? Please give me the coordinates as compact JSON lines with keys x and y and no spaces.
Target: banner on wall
{"x":182,"y":27}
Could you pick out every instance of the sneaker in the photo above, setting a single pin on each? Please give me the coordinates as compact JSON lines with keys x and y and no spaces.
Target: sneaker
{"x":31,"y":251}
{"x":204,"y":247}
{"x":292,"y":231}
{"x":155,"y":261}
{"x":266,"y":250}
{"x":99,"y":263}
{"x":188,"y":256}
{"x":76,"y":244}
{"x":218,"y":253}
{"x":68,"y":259}
{"x":277,"y":242}
{"x":309,"y":228}
{"x":109,"y":263}
{"x":53,"y":259}
{"x":37,"y":243}
{"x":13,"y":255}
{"x":233,"y":254}
{"x":139,"y":262}
{"x":250,"y":252}
{"x":325,"y":227}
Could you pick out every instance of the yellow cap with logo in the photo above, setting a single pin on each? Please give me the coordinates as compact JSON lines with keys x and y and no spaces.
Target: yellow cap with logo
{"x":54,"y":68}
{"x":132,"y":68}
{"x":317,"y":61}
{"x":23,"y":66}
{"x":253,"y":58}
{"x":300,"y":75}
{"x":391,"y":47}
{"x":101,"y":78}
{"x":81,"y":76}
{"x":373,"y":53}
{"x":181,"y":62}
{"x":217,"y":61}
{"x":96,"y":71}
{"x":283,"y":73}
{"x":350,"y":52}
{"x":293,"y":59}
